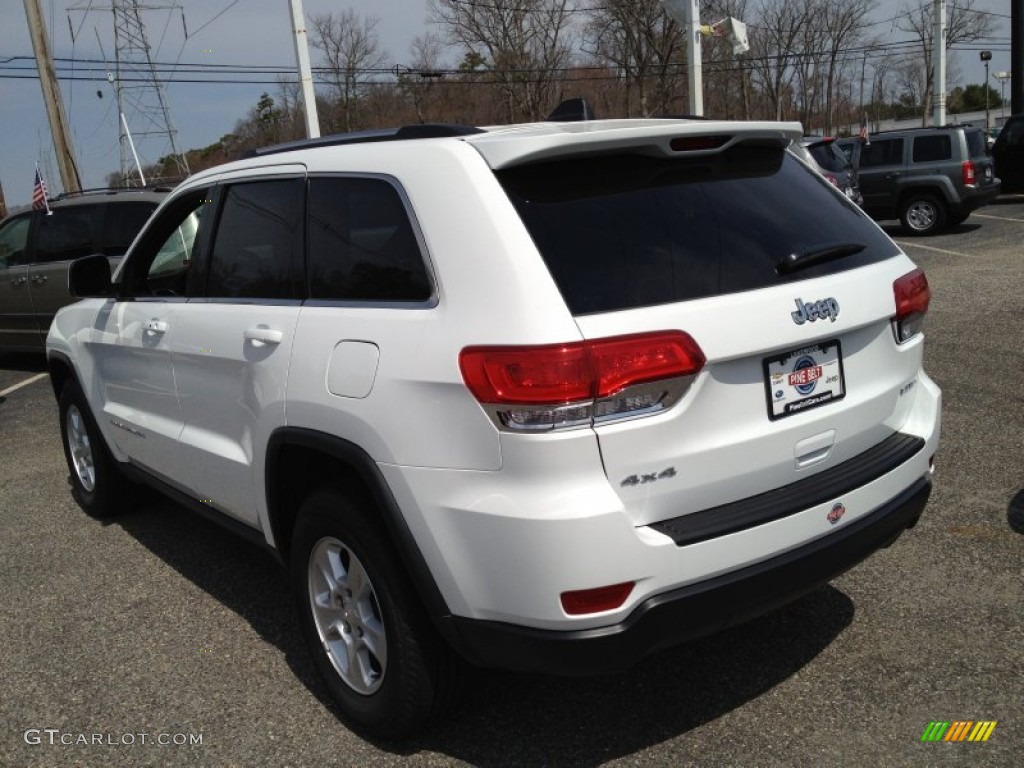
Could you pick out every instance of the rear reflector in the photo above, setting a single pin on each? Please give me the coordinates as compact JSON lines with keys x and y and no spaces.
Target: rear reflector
{"x":559,"y":385}
{"x":912,"y":296}
{"x":596,"y":600}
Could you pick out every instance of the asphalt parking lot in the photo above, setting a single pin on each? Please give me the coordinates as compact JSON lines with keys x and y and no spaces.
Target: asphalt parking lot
{"x":159,"y":628}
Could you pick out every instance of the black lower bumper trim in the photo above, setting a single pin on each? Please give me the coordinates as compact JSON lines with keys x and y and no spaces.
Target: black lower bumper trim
{"x":692,"y":611}
{"x":791,"y":499}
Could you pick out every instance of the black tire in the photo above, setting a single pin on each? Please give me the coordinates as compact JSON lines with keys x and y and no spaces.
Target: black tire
{"x":97,"y":485}
{"x":922,"y":215}
{"x":393,"y":689}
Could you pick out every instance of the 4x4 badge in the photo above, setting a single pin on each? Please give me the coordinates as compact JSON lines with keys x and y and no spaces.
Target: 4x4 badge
{"x":815,"y":310}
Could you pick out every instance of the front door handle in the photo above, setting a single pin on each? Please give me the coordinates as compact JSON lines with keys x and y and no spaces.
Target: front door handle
{"x":156,"y":326}
{"x":16,"y":281}
{"x":260,"y":335}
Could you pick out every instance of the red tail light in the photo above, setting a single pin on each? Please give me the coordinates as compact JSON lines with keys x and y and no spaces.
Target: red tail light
{"x":912,"y":298}
{"x":596,"y":600}
{"x":967,"y":167}
{"x":574,"y":383}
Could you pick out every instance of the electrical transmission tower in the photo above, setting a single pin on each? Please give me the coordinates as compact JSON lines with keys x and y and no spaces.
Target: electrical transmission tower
{"x":145,"y":118}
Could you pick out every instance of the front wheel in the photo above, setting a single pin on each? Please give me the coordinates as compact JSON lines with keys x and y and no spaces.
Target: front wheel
{"x":923,"y":215}
{"x":370,"y":639}
{"x":96,"y":483}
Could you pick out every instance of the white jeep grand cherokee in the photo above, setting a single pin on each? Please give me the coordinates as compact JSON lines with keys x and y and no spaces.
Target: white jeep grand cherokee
{"x":541,"y":397}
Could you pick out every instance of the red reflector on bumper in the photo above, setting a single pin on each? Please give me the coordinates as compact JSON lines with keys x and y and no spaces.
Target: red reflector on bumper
{"x":596,"y":600}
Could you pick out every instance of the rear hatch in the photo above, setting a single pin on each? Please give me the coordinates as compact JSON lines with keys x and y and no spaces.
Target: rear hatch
{"x":984,"y":165}
{"x":787,"y":289}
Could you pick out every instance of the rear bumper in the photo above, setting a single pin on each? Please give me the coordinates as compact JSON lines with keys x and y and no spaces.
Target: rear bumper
{"x":699,"y":609}
{"x":980,"y":198}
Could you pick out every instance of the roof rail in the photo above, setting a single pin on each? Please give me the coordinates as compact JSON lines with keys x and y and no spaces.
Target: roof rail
{"x":106,"y":191}
{"x":420,"y":131}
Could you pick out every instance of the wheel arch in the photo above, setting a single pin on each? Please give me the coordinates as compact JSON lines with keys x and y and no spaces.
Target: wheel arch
{"x":299,"y":460}
{"x":61,"y":370}
{"x":940,"y":188}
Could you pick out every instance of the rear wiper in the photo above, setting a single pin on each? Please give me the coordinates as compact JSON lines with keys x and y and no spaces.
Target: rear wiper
{"x":795,"y":261}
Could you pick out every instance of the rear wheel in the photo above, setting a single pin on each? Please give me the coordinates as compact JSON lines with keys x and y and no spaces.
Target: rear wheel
{"x":923,"y":215}
{"x":372,"y":642}
{"x":96,"y":483}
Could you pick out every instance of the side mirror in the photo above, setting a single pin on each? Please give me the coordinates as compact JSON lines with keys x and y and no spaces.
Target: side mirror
{"x":89,"y":277}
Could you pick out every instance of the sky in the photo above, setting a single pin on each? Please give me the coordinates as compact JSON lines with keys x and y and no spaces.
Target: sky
{"x":235,"y":32}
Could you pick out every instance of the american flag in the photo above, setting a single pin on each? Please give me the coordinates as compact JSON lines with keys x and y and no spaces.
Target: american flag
{"x":39,"y":200}
{"x":864,"y":129}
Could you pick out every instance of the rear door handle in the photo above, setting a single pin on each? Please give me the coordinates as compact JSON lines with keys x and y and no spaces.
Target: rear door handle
{"x":893,"y":175}
{"x":16,"y":281}
{"x":156,"y":326}
{"x":263,"y":335}
{"x":38,"y":279}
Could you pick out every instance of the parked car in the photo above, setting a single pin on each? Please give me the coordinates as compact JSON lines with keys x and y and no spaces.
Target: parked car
{"x":833,"y":164}
{"x":1008,"y":154}
{"x":36,"y":250}
{"x":928,"y":178}
{"x":529,"y":397}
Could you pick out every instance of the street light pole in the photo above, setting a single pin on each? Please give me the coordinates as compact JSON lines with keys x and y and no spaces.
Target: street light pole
{"x":1002,"y":77}
{"x":986,"y":56}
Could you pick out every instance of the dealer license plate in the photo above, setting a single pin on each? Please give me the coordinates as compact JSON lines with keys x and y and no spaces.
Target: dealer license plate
{"x":804,"y":378}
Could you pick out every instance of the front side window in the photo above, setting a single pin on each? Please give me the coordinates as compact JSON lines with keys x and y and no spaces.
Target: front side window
{"x":882,"y":152}
{"x":68,"y":233}
{"x":362,"y":246}
{"x":930,"y":149}
{"x":257,"y":248}
{"x":14,"y":241}
{"x":163,"y":262}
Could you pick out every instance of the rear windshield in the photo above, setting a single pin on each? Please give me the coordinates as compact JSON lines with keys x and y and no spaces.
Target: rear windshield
{"x":976,"y":144}
{"x":829,"y":157}
{"x":625,"y":231}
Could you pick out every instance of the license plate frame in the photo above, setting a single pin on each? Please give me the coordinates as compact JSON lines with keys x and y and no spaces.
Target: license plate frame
{"x":804,"y":378}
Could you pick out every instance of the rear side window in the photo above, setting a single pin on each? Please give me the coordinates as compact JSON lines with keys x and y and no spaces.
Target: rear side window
{"x":829,"y":157}
{"x":258,"y":243}
{"x":68,"y":233}
{"x":882,"y":152}
{"x":624,"y":231}
{"x":122,"y":223}
{"x":976,"y":144}
{"x":362,"y":246}
{"x":929,"y":149}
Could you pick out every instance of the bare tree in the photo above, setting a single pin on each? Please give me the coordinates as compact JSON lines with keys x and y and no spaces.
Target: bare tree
{"x":963,"y":25}
{"x":420,"y":82}
{"x":640,"y":40}
{"x":523,"y":45}
{"x":775,"y":50}
{"x":351,"y":50}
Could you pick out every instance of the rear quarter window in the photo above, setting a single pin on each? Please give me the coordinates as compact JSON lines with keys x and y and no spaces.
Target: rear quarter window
{"x":976,"y":145}
{"x":625,"y":231}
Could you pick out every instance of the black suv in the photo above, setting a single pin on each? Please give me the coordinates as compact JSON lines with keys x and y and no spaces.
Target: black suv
{"x":1008,"y":154}
{"x":929,"y":178}
{"x":36,"y":249}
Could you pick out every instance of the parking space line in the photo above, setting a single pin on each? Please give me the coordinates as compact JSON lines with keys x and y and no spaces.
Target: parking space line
{"x":990,"y":216}
{"x":908,"y":244}
{"x":24,"y":383}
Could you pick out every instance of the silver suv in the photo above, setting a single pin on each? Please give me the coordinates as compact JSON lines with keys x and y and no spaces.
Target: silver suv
{"x":544,"y":397}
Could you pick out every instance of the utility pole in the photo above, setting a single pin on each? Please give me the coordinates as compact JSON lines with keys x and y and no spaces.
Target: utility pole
{"x":939,"y":57}
{"x":1016,"y":56}
{"x":305,"y":73}
{"x":51,"y":96}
